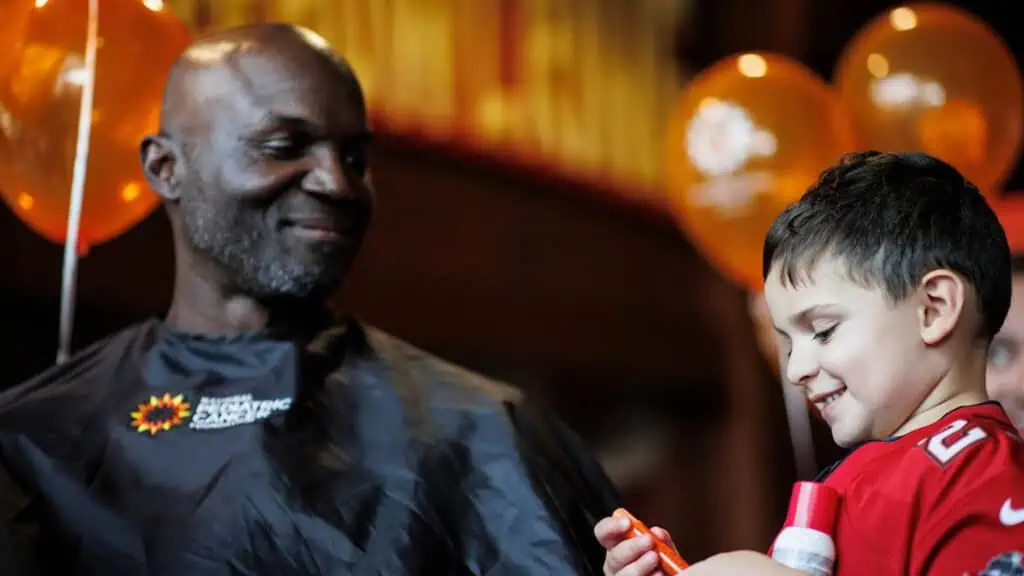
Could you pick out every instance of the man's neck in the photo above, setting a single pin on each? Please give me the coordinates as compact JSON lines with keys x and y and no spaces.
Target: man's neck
{"x":202,"y":306}
{"x":224,"y":316}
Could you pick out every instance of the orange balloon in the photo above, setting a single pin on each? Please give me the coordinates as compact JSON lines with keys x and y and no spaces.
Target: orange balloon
{"x":1010,"y":210}
{"x":39,"y":108}
{"x":936,"y":79}
{"x":13,"y":27}
{"x":746,"y":138}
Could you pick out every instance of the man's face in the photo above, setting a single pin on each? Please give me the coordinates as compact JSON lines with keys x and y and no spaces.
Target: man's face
{"x":275,"y":190}
{"x":851,"y":350}
{"x":1004,"y":378}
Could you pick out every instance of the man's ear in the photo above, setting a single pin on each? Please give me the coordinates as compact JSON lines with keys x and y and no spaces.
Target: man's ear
{"x":943,"y":297}
{"x":161,"y":163}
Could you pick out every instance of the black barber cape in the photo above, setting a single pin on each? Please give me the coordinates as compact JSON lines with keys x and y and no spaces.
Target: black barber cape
{"x":160,"y":453}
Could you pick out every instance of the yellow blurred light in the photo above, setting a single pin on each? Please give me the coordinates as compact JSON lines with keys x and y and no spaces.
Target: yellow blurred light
{"x":706,"y":103}
{"x":878,"y":65}
{"x":131,"y":191}
{"x":903,"y":19}
{"x":26,"y":202}
{"x":752,"y":65}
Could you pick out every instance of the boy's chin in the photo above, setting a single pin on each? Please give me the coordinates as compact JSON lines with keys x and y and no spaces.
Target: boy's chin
{"x":848,"y":438}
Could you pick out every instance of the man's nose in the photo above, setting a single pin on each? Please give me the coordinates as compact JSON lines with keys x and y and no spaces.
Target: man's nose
{"x":327,"y":175}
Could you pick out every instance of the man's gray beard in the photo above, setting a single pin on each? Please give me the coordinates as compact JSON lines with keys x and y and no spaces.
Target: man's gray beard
{"x":252,"y":263}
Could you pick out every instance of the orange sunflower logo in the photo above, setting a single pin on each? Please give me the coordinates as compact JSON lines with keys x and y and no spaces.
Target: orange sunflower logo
{"x":160,"y":413}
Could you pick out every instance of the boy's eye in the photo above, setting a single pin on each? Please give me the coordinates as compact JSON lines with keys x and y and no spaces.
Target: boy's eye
{"x":822,"y":336}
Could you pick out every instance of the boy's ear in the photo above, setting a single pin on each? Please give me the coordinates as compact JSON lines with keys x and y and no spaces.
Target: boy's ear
{"x":943,"y":296}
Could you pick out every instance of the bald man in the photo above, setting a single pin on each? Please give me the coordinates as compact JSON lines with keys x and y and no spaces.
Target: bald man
{"x":252,"y":431}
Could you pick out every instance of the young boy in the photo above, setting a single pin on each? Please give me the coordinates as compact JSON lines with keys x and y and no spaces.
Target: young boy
{"x":886,"y":283}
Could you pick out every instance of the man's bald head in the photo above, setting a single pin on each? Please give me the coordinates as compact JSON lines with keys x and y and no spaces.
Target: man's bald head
{"x":261,"y":159}
{"x":226,"y":63}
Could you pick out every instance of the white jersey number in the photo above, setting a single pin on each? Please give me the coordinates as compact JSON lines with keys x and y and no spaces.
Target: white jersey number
{"x":952,"y":440}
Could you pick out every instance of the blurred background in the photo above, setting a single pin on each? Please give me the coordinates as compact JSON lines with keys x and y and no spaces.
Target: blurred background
{"x":531,"y":221}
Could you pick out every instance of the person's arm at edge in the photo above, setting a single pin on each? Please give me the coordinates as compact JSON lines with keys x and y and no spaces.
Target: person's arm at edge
{"x":17,"y":528}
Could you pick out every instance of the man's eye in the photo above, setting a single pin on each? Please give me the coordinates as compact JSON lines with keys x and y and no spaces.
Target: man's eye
{"x":355,"y":160}
{"x":280,"y":148}
{"x":1002,"y":353}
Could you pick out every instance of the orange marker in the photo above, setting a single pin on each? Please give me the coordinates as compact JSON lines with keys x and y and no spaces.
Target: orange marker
{"x":671,"y":563}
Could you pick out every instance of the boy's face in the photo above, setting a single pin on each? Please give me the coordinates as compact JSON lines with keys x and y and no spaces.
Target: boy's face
{"x":1004,"y":379}
{"x":851,"y":350}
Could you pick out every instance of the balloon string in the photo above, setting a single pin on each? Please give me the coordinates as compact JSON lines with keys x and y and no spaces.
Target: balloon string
{"x":68,"y":280}
{"x":799,"y":420}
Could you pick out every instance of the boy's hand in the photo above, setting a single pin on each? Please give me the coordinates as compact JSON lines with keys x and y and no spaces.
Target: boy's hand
{"x":739,"y":563}
{"x":627,"y":555}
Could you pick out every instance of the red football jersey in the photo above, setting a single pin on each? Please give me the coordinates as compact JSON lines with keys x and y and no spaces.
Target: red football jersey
{"x":947,"y":499}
